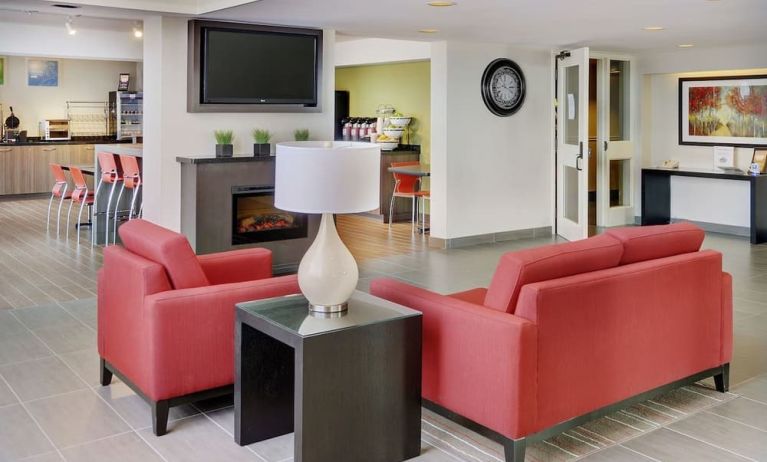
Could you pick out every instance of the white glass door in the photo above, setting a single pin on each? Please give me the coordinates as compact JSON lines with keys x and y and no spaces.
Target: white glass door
{"x":615,"y":143}
{"x":572,"y":144}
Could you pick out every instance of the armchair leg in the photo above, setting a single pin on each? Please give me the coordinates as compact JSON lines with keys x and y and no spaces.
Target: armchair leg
{"x":160,"y":417}
{"x":105,"y":375}
{"x":515,"y":450}
{"x":722,"y":380}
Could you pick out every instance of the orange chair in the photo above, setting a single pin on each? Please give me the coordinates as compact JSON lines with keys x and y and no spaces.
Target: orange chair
{"x":110,"y":174}
{"x":406,"y":186}
{"x":59,"y":190}
{"x":80,"y":195}
{"x":131,"y":180}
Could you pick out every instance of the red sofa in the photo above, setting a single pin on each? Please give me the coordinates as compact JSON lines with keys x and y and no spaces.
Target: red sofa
{"x":568,"y":332}
{"x":166,"y":316}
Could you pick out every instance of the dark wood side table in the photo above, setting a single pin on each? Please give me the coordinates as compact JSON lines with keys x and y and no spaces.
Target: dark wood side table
{"x":349,"y":386}
{"x":656,"y":196}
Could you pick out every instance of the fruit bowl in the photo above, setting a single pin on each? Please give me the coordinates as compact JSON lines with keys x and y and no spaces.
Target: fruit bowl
{"x":387,"y":145}
{"x":394,"y":132}
{"x":399,"y":121}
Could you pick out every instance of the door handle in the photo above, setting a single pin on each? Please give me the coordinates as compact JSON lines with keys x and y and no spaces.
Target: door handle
{"x":605,"y":146}
{"x":579,"y":158}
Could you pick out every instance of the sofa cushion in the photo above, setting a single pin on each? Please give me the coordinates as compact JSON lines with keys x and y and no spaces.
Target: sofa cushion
{"x":516,"y":269}
{"x":168,"y":248}
{"x":642,"y":243}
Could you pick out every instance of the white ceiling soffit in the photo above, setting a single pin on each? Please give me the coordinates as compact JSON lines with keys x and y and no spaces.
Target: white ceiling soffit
{"x":603,"y":24}
{"x":183,"y":7}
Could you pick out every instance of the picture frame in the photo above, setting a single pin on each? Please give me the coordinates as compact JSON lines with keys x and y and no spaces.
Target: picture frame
{"x":124,"y":82}
{"x":723,"y":111}
{"x":760,"y":158}
{"x":42,"y":72}
{"x":3,"y":70}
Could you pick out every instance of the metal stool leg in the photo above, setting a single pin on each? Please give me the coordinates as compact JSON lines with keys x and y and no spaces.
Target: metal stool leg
{"x":117,"y":212}
{"x":69,"y":212}
{"x":413,"y":214}
{"x":79,"y":215}
{"x":133,"y":201}
{"x":61,"y":202}
{"x":94,"y":212}
{"x":48,"y":223}
{"x":106,"y":217}
{"x":391,"y":211}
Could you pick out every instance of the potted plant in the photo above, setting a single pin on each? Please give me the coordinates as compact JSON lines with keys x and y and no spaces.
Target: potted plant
{"x":261,"y":147}
{"x":302,"y":134}
{"x":224,"y":147}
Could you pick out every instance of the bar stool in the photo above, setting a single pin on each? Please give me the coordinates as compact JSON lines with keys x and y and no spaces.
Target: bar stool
{"x":109,"y":174}
{"x":424,"y":196}
{"x":80,"y":195}
{"x":59,"y":190}
{"x":132,"y":181}
{"x":405,"y":186}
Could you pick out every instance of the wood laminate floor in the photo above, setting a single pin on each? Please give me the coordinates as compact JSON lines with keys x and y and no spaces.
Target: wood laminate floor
{"x":52,"y":407}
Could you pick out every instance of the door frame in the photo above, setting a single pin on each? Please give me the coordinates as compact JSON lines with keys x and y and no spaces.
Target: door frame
{"x":634,"y":134}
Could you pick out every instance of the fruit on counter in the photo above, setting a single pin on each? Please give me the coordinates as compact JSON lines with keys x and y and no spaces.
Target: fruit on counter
{"x":385,"y":139}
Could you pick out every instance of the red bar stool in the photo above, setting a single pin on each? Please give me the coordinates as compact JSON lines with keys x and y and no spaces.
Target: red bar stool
{"x":59,"y":190}
{"x":405,"y":186}
{"x":131,"y":180}
{"x":109,"y":174}
{"x":80,"y":195}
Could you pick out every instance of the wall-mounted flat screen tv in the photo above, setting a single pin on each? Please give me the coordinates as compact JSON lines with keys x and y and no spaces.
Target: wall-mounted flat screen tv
{"x":244,"y":64}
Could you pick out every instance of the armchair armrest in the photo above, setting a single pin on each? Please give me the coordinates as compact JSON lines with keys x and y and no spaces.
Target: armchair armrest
{"x":478,"y":362}
{"x":237,"y":265}
{"x":190,"y":334}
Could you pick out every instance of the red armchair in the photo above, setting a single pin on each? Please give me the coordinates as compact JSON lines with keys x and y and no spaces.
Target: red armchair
{"x":567,"y":333}
{"x":166,"y":316}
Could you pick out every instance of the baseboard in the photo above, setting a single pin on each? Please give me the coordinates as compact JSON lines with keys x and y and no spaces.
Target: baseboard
{"x":742,"y":231}
{"x":490,"y":238}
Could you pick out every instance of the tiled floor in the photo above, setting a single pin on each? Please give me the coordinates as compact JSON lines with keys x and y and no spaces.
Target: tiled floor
{"x":52,"y":408}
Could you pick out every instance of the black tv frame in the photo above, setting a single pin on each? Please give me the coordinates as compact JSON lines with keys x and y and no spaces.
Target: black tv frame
{"x":194,"y":100}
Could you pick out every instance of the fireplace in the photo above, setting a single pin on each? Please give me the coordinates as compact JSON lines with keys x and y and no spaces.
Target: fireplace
{"x":255,"y":219}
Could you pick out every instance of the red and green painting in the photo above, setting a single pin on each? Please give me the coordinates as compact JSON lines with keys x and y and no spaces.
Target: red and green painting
{"x":727,"y":111}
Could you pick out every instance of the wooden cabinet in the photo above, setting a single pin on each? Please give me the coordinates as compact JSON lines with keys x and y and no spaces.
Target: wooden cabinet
{"x":26,"y":169}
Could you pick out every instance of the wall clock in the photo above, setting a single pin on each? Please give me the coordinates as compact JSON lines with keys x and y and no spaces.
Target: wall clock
{"x":503,"y":87}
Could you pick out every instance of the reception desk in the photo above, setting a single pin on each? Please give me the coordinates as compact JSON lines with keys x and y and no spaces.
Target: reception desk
{"x":656,"y":196}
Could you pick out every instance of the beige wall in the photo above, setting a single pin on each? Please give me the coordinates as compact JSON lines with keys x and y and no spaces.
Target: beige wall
{"x":79,"y":80}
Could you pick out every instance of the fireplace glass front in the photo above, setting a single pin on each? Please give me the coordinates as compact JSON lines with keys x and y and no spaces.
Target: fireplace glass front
{"x":255,"y":219}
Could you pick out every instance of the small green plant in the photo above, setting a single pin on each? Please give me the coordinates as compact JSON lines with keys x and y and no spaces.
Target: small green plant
{"x":302,"y":134}
{"x":224,"y":136}
{"x":261,"y":136}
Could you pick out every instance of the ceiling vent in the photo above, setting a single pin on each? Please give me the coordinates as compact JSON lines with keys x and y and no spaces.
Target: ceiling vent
{"x":65,"y":6}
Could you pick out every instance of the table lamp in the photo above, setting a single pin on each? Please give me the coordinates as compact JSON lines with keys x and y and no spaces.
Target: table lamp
{"x":327,"y":177}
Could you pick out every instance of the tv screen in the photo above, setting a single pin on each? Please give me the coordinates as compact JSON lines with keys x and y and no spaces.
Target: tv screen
{"x":246,"y":66}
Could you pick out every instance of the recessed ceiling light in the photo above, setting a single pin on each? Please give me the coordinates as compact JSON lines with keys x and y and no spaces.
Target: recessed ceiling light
{"x":428,"y":31}
{"x":686,"y":45}
{"x":653,"y":28}
{"x":439,"y":3}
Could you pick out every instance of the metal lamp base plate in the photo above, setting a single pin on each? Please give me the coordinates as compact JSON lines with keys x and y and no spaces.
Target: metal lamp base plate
{"x":329,"y":308}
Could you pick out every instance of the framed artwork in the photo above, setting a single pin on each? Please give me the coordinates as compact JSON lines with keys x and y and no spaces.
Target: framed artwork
{"x":42,"y":73}
{"x":2,"y":70}
{"x":723,"y":111}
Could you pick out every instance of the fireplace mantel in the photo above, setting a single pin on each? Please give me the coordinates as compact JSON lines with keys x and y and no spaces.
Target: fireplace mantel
{"x":207,"y":183}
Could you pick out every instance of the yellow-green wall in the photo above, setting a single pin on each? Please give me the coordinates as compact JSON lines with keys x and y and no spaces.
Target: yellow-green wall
{"x":406,"y":86}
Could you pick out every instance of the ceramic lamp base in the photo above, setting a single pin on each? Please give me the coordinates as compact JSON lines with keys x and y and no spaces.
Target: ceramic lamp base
{"x":328,"y":274}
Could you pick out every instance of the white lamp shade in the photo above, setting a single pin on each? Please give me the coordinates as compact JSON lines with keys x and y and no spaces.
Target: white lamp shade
{"x":327,"y":177}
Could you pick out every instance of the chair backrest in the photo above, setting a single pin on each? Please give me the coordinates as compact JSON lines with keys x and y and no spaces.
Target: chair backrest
{"x":109,"y":172}
{"x":404,"y":183}
{"x":641,"y":243}
{"x":131,"y":171}
{"x":58,"y":173}
{"x":168,"y":248}
{"x":81,"y":187}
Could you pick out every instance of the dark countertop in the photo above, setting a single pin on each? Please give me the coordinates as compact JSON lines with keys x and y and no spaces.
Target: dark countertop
{"x":703,"y":173}
{"x":223,"y":160}
{"x":84,"y":140}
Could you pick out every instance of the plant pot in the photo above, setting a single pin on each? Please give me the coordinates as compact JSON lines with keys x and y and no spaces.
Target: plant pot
{"x":262,"y":149}
{"x":224,"y":150}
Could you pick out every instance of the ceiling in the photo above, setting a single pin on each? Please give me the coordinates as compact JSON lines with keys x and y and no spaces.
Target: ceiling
{"x":607,"y":25}
{"x":602,"y":24}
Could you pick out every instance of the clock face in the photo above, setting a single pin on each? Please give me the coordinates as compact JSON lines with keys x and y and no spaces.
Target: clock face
{"x":503,"y":87}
